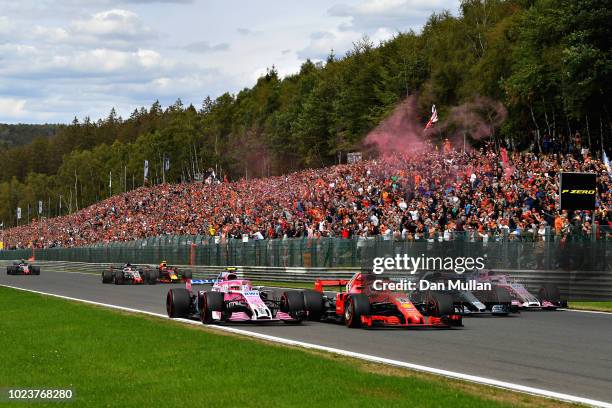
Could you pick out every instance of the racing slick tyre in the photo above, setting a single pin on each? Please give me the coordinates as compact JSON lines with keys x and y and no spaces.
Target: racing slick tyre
{"x":355,"y":306}
{"x":313,"y":302}
{"x":187,"y":275}
{"x":107,"y":276}
{"x":118,"y":277}
{"x":550,"y":293}
{"x":178,"y":303}
{"x":10,"y":270}
{"x":210,"y":302}
{"x":440,"y":304}
{"x":292,"y":302}
{"x":35,"y":270}
{"x":151,"y":276}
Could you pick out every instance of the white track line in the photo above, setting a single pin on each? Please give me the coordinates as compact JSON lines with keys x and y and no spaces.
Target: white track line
{"x":587,"y":311}
{"x":366,"y":357}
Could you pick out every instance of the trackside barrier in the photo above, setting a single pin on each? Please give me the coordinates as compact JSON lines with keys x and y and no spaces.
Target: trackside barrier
{"x":575,"y":254}
{"x":575,"y":285}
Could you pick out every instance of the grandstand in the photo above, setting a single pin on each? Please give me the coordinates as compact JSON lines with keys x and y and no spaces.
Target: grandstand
{"x":435,"y":194}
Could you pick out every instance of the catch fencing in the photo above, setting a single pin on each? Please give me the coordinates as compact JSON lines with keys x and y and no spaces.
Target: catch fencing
{"x":511,"y":254}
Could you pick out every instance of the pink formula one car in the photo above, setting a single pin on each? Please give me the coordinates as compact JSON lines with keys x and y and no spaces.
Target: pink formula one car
{"x":549,"y":297}
{"x":235,"y":300}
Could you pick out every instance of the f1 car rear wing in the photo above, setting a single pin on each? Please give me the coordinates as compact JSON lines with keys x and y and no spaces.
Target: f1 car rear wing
{"x":203,"y":281}
{"x":190,"y":282}
{"x":135,"y":267}
{"x":320,"y":284}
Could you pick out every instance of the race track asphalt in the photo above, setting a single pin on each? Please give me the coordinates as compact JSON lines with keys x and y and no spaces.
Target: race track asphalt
{"x":563,"y":351}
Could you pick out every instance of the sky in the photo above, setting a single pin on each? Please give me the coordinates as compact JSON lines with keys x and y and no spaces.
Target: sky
{"x":66,"y":58}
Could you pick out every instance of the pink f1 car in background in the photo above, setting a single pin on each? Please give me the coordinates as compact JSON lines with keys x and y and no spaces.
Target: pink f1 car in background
{"x":549,"y":296}
{"x":236,"y":300}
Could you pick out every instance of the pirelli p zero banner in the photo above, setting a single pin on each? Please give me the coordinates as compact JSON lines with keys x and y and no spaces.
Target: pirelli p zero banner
{"x":577,"y":191}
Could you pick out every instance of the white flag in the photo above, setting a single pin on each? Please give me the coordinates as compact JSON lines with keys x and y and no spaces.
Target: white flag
{"x":110,"y":179}
{"x":146,"y":169}
{"x":18,"y":213}
{"x":40,"y":207}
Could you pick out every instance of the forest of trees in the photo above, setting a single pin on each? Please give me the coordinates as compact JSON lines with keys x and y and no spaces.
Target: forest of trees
{"x":20,"y":134}
{"x":547,"y":61}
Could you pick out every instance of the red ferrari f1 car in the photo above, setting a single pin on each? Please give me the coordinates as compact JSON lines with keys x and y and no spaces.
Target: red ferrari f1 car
{"x":360,"y":305}
{"x":22,"y":268}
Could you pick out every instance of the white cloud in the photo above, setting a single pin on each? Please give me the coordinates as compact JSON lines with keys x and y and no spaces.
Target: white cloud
{"x":12,"y":108}
{"x":322,"y":42}
{"x":114,"y":28}
{"x":248,"y":31}
{"x":149,"y":58}
{"x":61,"y":58}
{"x":112,"y":23}
{"x":5,"y":25}
{"x":205,"y":47}
{"x":29,"y":62}
{"x":378,"y":20}
{"x":390,"y":14}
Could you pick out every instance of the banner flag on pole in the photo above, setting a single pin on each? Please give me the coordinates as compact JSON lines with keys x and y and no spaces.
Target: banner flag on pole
{"x":434,"y":117}
{"x":166,"y":163}
{"x":40,"y":207}
{"x":110,"y":179}
{"x":606,"y":162}
{"x":146,"y":169}
{"x":18,"y":213}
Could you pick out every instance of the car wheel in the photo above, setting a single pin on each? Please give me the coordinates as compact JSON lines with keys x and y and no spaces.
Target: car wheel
{"x":9,"y":270}
{"x":313,"y":302}
{"x":356,"y":306}
{"x":440,"y":304}
{"x":35,"y":270}
{"x":118,"y":277}
{"x":210,"y":302}
{"x":107,"y":276}
{"x":178,"y":303}
{"x":550,"y":293}
{"x":292,"y":302}
{"x":151,"y":276}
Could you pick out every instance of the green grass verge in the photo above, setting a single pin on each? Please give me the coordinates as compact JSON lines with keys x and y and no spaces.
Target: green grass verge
{"x":296,"y":285}
{"x":112,"y":358}
{"x":597,"y":306}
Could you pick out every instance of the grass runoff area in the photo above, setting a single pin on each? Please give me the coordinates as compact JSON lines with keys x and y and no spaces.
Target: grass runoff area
{"x":596,"y":306}
{"x":114,"y":358}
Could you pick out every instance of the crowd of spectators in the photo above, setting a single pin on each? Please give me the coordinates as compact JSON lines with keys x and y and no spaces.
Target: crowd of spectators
{"x":432,"y":194}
